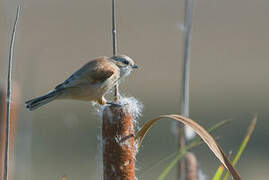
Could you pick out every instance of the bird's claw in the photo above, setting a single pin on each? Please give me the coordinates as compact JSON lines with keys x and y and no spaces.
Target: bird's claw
{"x":114,"y":104}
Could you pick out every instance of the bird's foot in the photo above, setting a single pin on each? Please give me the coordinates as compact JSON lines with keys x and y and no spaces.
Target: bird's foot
{"x":114,"y":104}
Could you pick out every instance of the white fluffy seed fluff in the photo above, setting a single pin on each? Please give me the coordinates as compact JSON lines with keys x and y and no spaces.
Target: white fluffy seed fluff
{"x":130,"y":104}
{"x":189,"y":133}
{"x":133,"y":106}
{"x":201,"y":175}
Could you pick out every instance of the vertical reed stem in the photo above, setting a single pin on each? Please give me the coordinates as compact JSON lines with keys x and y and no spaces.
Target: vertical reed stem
{"x":114,"y":44}
{"x":9,"y":91}
{"x":114,"y":30}
{"x":185,"y":80}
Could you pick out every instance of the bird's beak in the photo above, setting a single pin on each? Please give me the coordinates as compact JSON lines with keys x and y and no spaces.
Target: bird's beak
{"x":134,"y":66}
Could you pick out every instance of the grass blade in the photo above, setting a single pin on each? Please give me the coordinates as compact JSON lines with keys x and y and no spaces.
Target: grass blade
{"x":195,"y":142}
{"x":172,"y":164}
{"x":206,"y":137}
{"x":218,"y":173}
{"x":156,"y":164}
{"x":177,"y":158}
{"x":243,"y":144}
{"x":220,"y":170}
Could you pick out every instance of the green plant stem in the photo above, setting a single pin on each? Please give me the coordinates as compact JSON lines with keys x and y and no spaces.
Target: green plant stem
{"x":243,"y":145}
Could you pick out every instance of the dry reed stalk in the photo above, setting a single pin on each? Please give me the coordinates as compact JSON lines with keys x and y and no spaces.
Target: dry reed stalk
{"x":9,"y":94}
{"x":118,"y":144}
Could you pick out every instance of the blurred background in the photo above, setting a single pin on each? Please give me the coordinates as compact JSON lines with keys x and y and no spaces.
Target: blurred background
{"x":229,"y":79}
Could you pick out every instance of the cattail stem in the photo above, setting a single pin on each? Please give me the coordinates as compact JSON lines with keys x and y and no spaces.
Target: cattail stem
{"x":185,"y":80}
{"x":117,"y":132}
{"x":181,"y":144}
{"x":118,"y":144}
{"x":9,"y":79}
{"x":114,"y":45}
{"x":114,"y":30}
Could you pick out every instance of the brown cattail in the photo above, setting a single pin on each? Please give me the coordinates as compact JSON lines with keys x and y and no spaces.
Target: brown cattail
{"x":14,"y":109}
{"x":2,"y":132}
{"x":118,"y":144}
{"x":191,"y":166}
{"x":13,"y":124}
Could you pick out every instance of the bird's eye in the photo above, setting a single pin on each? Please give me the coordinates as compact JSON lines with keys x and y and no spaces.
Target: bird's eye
{"x":125,"y":62}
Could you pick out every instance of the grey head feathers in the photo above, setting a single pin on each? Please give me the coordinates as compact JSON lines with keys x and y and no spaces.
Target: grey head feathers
{"x":125,"y":63}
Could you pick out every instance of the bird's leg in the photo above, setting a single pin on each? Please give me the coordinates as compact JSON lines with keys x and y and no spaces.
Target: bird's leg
{"x":102,"y":101}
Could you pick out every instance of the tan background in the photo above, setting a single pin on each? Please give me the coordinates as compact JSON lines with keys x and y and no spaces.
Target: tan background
{"x":229,"y":79}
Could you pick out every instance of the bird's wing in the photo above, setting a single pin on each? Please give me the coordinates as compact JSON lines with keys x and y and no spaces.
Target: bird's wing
{"x":96,"y":71}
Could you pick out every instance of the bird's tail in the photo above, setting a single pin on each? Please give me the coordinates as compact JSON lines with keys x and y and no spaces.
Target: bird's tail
{"x":40,"y":101}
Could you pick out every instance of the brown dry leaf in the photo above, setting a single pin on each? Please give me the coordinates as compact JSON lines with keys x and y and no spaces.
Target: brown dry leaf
{"x":207,"y":138}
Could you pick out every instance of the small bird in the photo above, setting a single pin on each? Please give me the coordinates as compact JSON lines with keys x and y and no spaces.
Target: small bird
{"x":90,"y":83}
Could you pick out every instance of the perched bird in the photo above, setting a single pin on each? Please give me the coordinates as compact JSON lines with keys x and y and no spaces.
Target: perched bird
{"x":90,"y":83}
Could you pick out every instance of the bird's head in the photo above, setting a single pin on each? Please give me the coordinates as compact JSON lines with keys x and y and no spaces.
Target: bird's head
{"x":125,"y":63}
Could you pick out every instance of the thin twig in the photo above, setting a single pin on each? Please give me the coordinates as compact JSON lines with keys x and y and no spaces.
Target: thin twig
{"x":186,"y":68}
{"x":114,"y":30}
{"x":186,"y":78}
{"x":9,"y":88}
{"x":114,"y":44}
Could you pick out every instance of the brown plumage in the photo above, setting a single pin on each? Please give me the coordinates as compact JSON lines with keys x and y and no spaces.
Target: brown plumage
{"x":90,"y":82}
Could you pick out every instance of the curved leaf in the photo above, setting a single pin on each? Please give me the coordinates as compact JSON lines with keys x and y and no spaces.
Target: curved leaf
{"x":206,"y":137}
